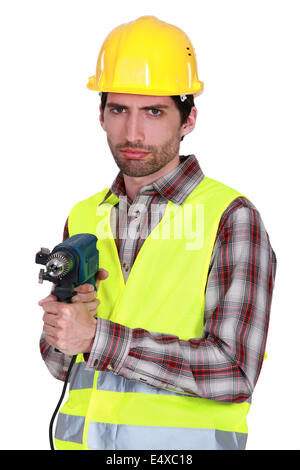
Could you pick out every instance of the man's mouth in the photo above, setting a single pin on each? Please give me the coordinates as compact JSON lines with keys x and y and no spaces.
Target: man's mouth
{"x":134,"y":153}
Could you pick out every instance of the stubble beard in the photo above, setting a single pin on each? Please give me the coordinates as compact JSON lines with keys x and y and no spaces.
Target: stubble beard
{"x":153,"y":162}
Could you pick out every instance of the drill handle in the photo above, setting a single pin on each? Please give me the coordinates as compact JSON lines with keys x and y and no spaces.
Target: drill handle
{"x":63,"y":294}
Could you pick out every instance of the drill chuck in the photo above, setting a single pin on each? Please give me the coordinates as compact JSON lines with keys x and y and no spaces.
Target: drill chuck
{"x":59,"y":264}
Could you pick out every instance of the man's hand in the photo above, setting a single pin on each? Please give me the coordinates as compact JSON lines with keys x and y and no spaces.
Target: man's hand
{"x":87,"y":294}
{"x":71,"y":328}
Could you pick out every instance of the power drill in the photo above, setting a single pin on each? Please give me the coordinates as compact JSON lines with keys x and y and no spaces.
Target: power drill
{"x":70,"y":264}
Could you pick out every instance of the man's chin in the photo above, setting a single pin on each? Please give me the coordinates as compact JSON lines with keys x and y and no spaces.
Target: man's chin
{"x":136,"y":167}
{"x":136,"y":173}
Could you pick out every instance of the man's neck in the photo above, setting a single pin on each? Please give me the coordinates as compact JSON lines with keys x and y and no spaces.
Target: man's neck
{"x":134,"y":183}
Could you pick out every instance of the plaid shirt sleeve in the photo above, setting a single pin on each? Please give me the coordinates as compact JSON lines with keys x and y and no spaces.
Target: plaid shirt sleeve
{"x":225,"y":363}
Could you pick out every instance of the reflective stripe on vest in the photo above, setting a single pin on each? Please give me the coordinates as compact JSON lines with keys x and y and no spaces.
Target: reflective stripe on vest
{"x":106,"y":411}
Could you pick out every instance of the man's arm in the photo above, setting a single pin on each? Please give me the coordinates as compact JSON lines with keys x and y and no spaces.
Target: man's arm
{"x":225,"y":363}
{"x":60,"y":326}
{"x":57,"y":362}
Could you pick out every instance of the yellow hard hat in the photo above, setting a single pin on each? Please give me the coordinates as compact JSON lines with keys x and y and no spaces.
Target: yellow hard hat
{"x":147,"y":57}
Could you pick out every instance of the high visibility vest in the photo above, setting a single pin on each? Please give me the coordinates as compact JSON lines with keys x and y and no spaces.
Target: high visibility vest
{"x":165,"y":292}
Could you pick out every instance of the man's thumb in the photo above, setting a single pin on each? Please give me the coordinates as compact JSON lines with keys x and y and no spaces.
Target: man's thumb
{"x":100,"y":276}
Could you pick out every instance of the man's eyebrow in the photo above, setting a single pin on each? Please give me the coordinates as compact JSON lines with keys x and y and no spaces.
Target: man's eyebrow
{"x":154,"y":106}
{"x":115,"y":105}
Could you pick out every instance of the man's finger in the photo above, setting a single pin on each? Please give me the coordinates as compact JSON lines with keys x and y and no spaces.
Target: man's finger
{"x":55,"y":307}
{"x":49,"y":298}
{"x":86,"y":297}
{"x":50,"y":319}
{"x":84,"y":288}
{"x":100,"y":276}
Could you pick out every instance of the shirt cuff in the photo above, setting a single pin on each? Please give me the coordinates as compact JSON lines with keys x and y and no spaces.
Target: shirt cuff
{"x":111,"y":346}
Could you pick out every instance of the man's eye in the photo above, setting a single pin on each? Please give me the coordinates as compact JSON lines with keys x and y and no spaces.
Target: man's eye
{"x":117,"y":110}
{"x":155,"y":112}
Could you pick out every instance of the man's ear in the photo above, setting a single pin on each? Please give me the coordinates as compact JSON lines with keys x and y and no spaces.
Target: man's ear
{"x":190,"y":123}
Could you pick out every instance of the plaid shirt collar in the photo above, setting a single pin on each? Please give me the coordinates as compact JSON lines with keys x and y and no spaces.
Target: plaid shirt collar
{"x":174,"y":186}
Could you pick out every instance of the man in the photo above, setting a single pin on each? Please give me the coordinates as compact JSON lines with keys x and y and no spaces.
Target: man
{"x":187,"y":271}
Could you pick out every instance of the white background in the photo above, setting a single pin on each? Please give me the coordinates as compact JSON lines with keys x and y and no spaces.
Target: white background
{"x":53,"y":154}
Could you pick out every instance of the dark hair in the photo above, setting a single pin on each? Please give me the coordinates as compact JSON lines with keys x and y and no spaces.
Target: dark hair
{"x":184,"y":107}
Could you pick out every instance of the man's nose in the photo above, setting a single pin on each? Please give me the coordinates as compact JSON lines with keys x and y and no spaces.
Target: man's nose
{"x":134,"y":128}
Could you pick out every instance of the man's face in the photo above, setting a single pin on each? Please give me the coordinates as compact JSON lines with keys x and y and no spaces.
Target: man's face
{"x":143,"y":132}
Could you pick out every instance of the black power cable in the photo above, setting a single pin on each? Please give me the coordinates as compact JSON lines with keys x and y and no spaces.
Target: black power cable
{"x":60,"y":402}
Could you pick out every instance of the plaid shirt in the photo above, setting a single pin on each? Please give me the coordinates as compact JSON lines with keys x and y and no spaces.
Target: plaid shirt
{"x":224,"y":364}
